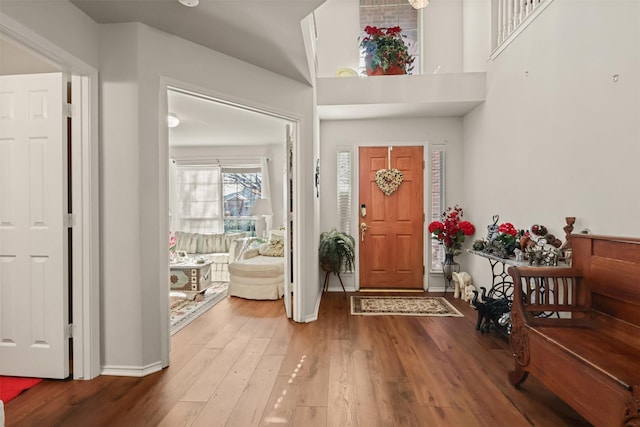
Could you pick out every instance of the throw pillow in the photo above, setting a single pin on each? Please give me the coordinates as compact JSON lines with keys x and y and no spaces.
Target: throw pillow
{"x":230,"y":237}
{"x":272,"y":248}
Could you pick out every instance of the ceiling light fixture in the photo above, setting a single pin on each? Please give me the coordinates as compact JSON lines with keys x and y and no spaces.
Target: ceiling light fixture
{"x":419,"y":4}
{"x":172,"y":120}
{"x":189,"y":3}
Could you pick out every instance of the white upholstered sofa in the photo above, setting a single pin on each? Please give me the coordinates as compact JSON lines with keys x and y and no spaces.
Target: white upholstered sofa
{"x":259,"y":273}
{"x":220,"y":249}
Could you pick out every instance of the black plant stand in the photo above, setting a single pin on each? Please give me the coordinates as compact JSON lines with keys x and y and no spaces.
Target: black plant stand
{"x":326,"y":282}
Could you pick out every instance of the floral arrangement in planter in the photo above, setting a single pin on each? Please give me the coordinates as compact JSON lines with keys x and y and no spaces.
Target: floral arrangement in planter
{"x":386,"y":51}
{"x":452,"y":230}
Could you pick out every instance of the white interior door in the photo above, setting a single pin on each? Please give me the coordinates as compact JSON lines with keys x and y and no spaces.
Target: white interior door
{"x":33,"y":234}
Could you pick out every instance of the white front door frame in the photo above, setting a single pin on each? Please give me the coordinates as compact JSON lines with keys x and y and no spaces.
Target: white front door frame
{"x":85,"y":190}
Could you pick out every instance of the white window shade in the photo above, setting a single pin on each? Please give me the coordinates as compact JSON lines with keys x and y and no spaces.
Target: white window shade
{"x":344,"y":189}
{"x":438,"y":193}
{"x":199,"y":198}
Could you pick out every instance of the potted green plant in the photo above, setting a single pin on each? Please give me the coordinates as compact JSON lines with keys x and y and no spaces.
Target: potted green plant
{"x":386,"y":51}
{"x":336,"y":251}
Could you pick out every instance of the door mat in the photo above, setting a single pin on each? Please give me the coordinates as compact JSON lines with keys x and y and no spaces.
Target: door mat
{"x":184,"y":310}
{"x":11,"y":387}
{"x":403,"y":306}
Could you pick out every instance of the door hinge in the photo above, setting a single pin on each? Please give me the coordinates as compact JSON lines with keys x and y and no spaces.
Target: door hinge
{"x":69,"y":331}
{"x":70,"y":219}
{"x":423,"y":165}
{"x":424,"y":217}
{"x":423,"y":270}
{"x":68,"y":109}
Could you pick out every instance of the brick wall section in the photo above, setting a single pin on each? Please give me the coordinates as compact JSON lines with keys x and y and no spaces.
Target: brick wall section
{"x":391,"y":13}
{"x":388,"y":13}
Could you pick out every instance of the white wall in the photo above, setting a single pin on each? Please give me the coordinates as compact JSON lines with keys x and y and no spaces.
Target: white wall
{"x":133,"y":60}
{"x":384,"y":132}
{"x":59,"y":22}
{"x":140,"y":269}
{"x":442,"y":37}
{"x":338,"y":26}
{"x":275,"y":152}
{"x":557,"y":136}
{"x":476,"y":33}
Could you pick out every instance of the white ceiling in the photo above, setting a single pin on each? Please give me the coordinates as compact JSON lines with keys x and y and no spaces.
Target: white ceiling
{"x":266,"y":33}
{"x":204,"y":122}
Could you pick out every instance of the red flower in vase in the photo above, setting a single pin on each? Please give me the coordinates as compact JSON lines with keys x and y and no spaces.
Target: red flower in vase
{"x":452,"y":230}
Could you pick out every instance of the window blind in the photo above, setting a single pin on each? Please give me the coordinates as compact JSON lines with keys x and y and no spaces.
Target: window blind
{"x":344,"y":189}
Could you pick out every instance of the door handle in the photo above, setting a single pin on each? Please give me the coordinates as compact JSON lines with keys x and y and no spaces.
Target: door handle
{"x":363,"y":229}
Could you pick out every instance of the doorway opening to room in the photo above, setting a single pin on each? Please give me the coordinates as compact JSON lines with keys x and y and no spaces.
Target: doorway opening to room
{"x":230,"y":197}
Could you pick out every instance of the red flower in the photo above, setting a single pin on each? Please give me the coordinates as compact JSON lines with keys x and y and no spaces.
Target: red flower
{"x":451,"y":231}
{"x":507,"y":228}
{"x":467,"y":228}
{"x":435,"y":225}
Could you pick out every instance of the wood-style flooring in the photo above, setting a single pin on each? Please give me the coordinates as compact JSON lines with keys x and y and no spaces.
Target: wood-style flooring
{"x":244,"y":364}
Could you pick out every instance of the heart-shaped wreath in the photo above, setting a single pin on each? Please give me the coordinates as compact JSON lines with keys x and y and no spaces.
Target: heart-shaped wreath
{"x":388,"y":180}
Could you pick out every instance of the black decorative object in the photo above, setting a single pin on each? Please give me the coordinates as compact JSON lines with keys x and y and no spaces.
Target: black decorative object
{"x":492,"y":312}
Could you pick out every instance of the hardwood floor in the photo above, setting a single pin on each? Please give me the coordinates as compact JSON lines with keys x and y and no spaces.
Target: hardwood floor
{"x":244,"y":364}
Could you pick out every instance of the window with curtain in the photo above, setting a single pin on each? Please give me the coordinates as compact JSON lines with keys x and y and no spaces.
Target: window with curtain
{"x":214,"y":199}
{"x":240,"y":191}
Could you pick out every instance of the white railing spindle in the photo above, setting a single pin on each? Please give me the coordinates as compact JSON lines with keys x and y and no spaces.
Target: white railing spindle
{"x":512,"y":14}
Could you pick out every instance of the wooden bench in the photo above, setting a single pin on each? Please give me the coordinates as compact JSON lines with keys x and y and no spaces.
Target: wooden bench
{"x":587,"y":349}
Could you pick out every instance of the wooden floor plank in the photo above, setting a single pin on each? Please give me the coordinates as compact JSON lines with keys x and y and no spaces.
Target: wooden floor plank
{"x":220,"y":406}
{"x":244,"y":363}
{"x":183,"y":414}
{"x":209,"y":380}
{"x":250,"y":407}
{"x":282,"y":402}
{"x":342,"y":408}
{"x":311,"y":416}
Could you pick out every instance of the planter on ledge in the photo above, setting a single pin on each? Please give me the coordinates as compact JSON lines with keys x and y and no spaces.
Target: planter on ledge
{"x":377,"y":71}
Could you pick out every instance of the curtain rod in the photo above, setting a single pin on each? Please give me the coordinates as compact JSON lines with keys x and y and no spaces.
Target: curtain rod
{"x":207,"y":161}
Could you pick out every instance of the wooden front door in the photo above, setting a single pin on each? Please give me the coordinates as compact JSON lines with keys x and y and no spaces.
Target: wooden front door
{"x":391,"y":247}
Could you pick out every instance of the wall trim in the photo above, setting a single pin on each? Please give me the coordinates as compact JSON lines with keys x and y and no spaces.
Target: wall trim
{"x":131,"y":371}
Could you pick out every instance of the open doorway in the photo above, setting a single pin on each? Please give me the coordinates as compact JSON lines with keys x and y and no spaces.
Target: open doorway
{"x":224,"y":161}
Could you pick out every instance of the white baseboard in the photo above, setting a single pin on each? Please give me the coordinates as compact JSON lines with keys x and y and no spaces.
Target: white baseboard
{"x":131,"y":371}
{"x":338,"y":288}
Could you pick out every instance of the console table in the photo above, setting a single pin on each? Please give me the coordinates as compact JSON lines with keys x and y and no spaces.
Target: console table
{"x":502,"y":283}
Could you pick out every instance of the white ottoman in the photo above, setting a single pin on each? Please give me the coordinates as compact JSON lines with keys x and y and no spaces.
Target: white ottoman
{"x":257,"y":277}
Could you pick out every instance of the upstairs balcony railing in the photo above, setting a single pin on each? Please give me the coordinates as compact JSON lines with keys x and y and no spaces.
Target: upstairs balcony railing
{"x":512,"y":17}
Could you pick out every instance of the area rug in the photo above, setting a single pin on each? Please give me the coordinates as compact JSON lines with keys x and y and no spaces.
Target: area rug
{"x":184,"y":310}
{"x":11,"y":387}
{"x":403,"y":306}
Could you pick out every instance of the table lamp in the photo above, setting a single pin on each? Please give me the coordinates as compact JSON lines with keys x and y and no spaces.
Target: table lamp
{"x":261,"y":208}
